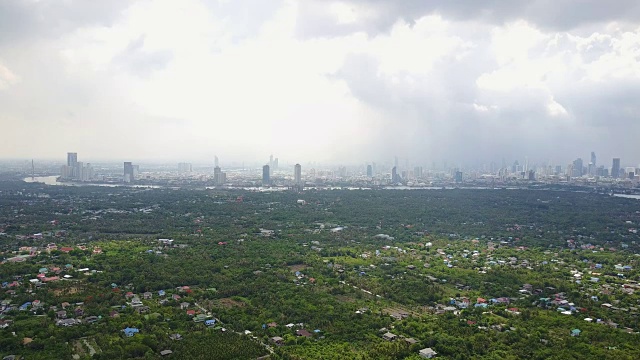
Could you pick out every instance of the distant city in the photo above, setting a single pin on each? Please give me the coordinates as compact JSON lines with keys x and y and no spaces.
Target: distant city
{"x":294,"y":176}
{"x":372,"y":174}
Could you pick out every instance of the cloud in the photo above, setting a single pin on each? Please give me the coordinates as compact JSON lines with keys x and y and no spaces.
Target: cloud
{"x":378,"y":16}
{"x":345,"y":81}
{"x":31,"y":20}
{"x":140,"y":62}
{"x":7,"y":78}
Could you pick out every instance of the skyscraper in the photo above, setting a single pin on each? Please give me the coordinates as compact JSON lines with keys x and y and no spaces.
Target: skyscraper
{"x":578,"y":167}
{"x":394,"y":174}
{"x":417,"y":172}
{"x":297,"y":174}
{"x":72,"y":159}
{"x":369,"y":171}
{"x":75,"y":170}
{"x":266,"y":175}
{"x":129,"y":176}
{"x":593,"y":159}
{"x":216,"y":163}
{"x":458,"y":176}
{"x":219,"y":178}
{"x":184,"y":167}
{"x":615,"y":168}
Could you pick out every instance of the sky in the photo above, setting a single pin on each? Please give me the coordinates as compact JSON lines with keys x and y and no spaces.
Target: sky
{"x":462,"y":81}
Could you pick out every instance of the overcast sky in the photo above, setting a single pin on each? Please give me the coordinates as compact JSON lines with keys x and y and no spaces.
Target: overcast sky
{"x":318,"y":80}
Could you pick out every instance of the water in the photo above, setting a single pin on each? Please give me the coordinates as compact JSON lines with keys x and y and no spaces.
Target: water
{"x":637,"y":197}
{"x":48,"y":180}
{"x":52,"y":180}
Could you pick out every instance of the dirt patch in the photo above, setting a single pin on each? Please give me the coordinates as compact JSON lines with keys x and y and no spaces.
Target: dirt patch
{"x":78,"y":348}
{"x":345,"y":299}
{"x":66,"y":291}
{"x":229,"y":303}
{"x":299,"y":267}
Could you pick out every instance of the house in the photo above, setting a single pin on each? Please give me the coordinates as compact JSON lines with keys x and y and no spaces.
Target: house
{"x":277,"y":340}
{"x":200,"y":318}
{"x":210,"y":322}
{"x":575,"y":332}
{"x":272,"y":324}
{"x":91,"y":319}
{"x":176,"y":337}
{"x":513,"y":311}
{"x":166,"y":352}
{"x":5,"y":323}
{"x":114,"y":314}
{"x":147,"y":295}
{"x":61,"y":314}
{"x":79,"y":311}
{"x":427,"y":353}
{"x":184,"y":305}
{"x":303,"y":332}
{"x":191,"y":312}
{"x":161,"y":293}
{"x":130,"y":331}
{"x":67,"y":322}
{"x":389,"y":336}
{"x":142,"y":309}
{"x":175,"y":297}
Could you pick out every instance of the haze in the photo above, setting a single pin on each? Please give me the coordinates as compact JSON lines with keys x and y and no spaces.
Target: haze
{"x":312,"y":80}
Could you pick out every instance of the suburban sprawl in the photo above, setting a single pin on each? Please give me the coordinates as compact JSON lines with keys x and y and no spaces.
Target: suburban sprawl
{"x":122,"y":272}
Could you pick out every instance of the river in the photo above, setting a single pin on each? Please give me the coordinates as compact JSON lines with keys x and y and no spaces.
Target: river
{"x":52,"y":180}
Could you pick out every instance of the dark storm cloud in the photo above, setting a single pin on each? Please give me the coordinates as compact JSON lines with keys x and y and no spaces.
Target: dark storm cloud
{"x":377,"y":16}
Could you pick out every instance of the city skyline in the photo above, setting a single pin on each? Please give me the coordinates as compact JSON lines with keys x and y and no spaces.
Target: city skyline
{"x":462,"y":82}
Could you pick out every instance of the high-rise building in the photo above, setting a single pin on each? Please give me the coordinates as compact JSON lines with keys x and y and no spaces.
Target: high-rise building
{"x":129,"y":175}
{"x":72,"y":159}
{"x":369,"y":171}
{"x":458,"y":176}
{"x":558,"y":170}
{"x":593,"y":159}
{"x":216,"y":162}
{"x":417,"y":172}
{"x":615,"y":168}
{"x":394,"y":175}
{"x":297,"y":174}
{"x":75,"y":170}
{"x":219,"y":178}
{"x":266,"y":175}
{"x":184,"y":167}
{"x":578,"y":168}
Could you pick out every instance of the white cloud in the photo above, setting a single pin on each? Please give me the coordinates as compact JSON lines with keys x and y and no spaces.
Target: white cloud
{"x":7,"y":78}
{"x":180,"y":79}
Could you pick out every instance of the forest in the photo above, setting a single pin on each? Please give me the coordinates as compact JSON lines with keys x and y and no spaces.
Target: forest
{"x":122,"y":273}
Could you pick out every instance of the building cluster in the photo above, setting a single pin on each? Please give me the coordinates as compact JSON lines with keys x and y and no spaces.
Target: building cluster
{"x":76,"y":170}
{"x":380,"y":175}
{"x":130,"y":172}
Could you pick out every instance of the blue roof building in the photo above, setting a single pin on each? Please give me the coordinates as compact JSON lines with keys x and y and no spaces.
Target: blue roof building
{"x":130,"y":331}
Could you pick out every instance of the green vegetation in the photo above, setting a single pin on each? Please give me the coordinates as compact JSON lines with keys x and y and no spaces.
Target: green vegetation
{"x":483,"y":274}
